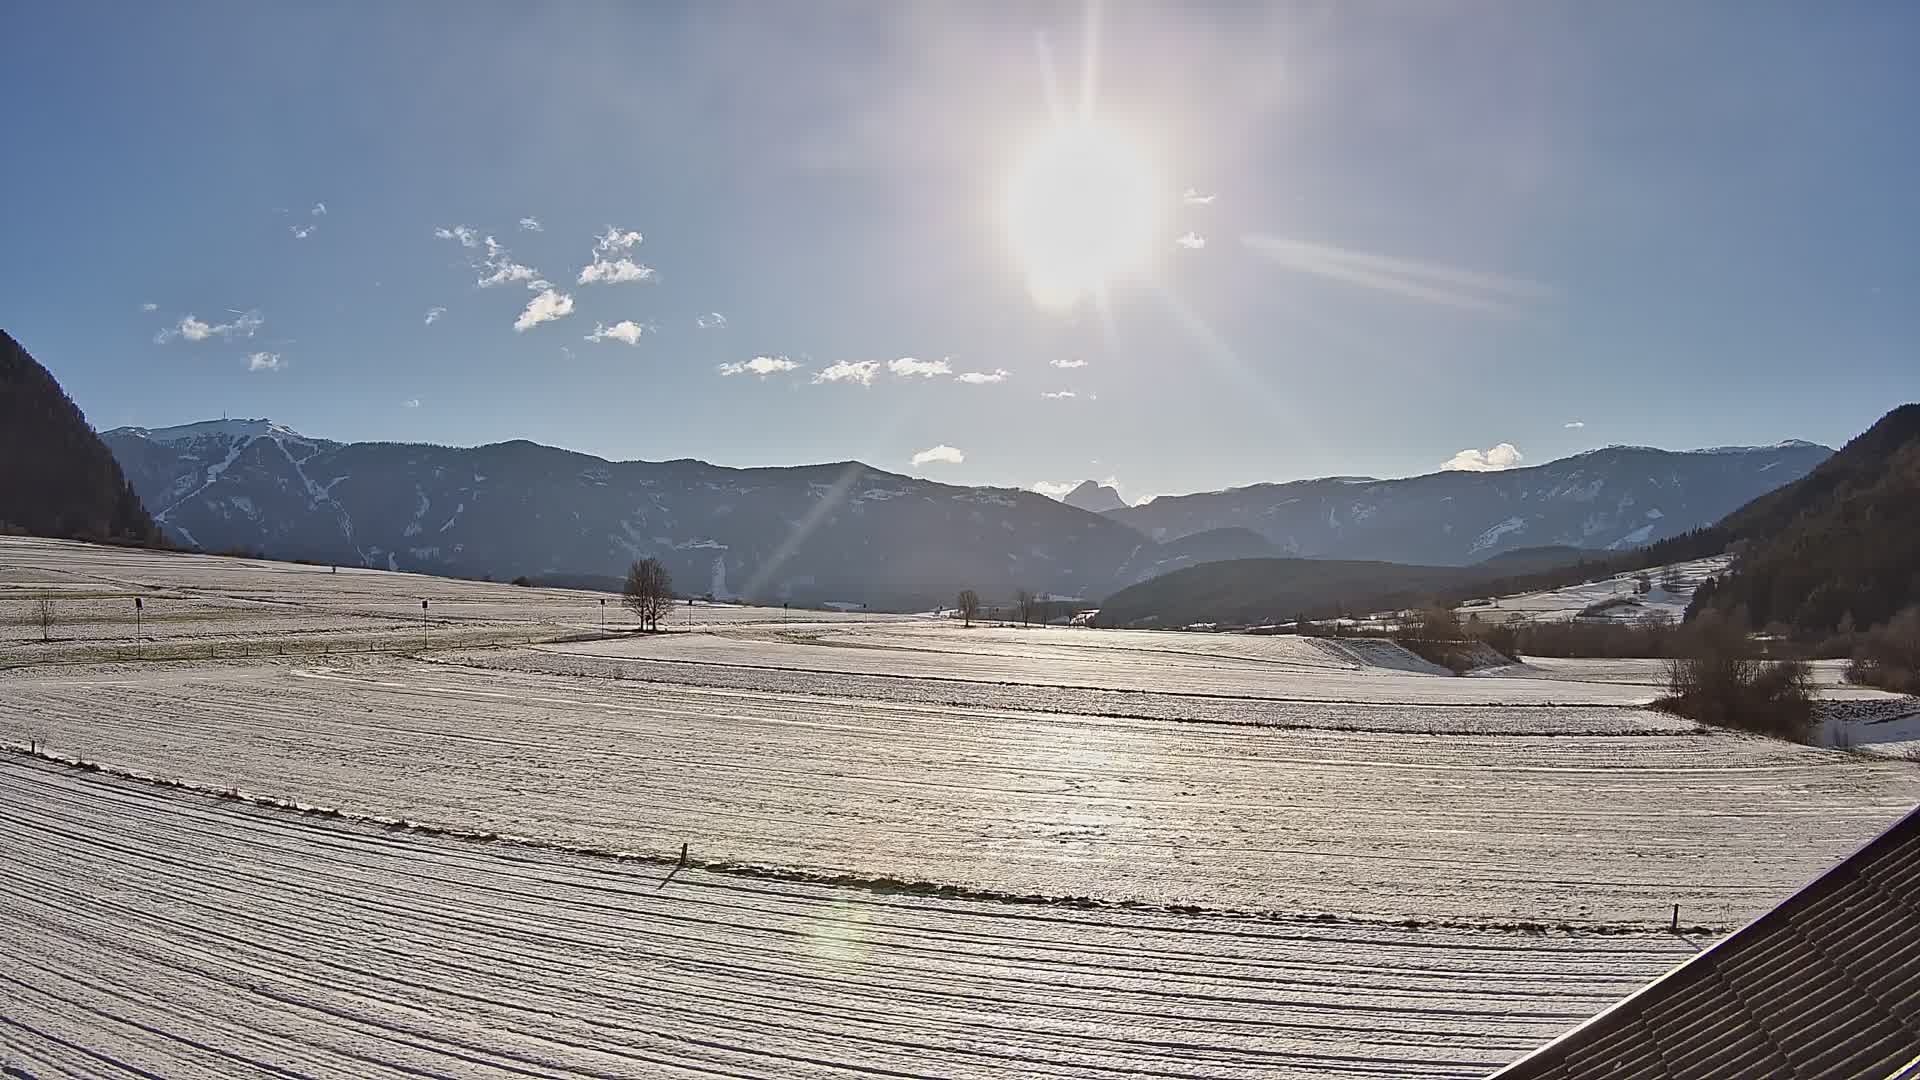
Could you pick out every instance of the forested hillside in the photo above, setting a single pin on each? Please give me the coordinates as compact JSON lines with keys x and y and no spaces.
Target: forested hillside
{"x":1838,"y":548}
{"x":56,"y":477}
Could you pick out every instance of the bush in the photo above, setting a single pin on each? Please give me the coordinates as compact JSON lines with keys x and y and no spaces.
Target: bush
{"x":1888,"y":656}
{"x":522,"y":581}
{"x":1719,"y":678}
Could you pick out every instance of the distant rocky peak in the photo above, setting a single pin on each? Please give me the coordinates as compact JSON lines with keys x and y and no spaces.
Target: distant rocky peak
{"x":1094,"y":498}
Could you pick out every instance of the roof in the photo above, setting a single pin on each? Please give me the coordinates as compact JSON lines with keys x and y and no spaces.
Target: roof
{"x":1825,"y":985}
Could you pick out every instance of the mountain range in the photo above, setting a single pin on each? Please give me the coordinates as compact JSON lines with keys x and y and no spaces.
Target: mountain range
{"x":1609,"y":499}
{"x":848,"y":533}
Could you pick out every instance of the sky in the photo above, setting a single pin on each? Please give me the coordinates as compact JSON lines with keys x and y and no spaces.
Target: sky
{"x":1295,"y":240}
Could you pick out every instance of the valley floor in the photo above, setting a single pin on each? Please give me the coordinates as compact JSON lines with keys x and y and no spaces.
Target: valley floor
{"x":914,"y":850}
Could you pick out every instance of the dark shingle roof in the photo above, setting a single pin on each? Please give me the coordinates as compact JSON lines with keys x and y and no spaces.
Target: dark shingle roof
{"x":1826,"y":985}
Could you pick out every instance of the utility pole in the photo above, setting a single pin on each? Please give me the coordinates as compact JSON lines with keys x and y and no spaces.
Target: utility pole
{"x":423,"y":623}
{"x":603,"y":614}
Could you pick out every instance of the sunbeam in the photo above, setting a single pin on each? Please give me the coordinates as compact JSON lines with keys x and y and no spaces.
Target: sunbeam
{"x":1431,"y":282}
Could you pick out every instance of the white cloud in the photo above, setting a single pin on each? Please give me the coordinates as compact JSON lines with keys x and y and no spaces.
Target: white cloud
{"x":1192,"y":197}
{"x":1574,"y":425}
{"x":149,"y":307}
{"x":615,"y":240}
{"x":301,"y":232}
{"x":319,"y":209}
{"x":434,"y":313}
{"x":1191,"y":240}
{"x":982,"y":378}
{"x":532,"y":224}
{"x":861,"y":371}
{"x":546,"y":307}
{"x":194,"y":329}
{"x":410,"y":403}
{"x":503,"y":270}
{"x":1073,"y":363}
{"x":625,"y":330}
{"x":466,"y":234}
{"x":1502,"y":456}
{"x":951,"y":455}
{"x":762,"y":366}
{"x":926,"y":369}
{"x":614,"y":272}
{"x":1059,"y":395}
{"x":1053,"y":490}
{"x":712,"y":320}
{"x":265,"y":361}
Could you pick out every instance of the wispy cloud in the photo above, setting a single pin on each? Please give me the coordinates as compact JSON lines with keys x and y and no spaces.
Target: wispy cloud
{"x":410,"y":403}
{"x":712,"y":320}
{"x":501,"y":268}
{"x":614,"y":272}
{"x":1494,"y":459}
{"x":265,"y":361}
{"x":1055,"y":490}
{"x":466,"y":234}
{"x":762,"y":366}
{"x":1072,"y":362}
{"x":1191,"y":240}
{"x":982,"y":378}
{"x":907,"y":366}
{"x":626,"y":330}
{"x":319,"y":209}
{"x":1059,"y":395}
{"x":301,"y":232}
{"x":1192,"y":197}
{"x":192,"y":328}
{"x":944,"y":454}
{"x":149,"y":307}
{"x":860,"y":371}
{"x":1574,"y":425}
{"x":434,"y":313}
{"x":1432,"y":282}
{"x":546,"y":307}
{"x":615,"y":239}
{"x":532,"y":224}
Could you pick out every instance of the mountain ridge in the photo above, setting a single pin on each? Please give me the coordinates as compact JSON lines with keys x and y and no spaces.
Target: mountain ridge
{"x":827,"y":532}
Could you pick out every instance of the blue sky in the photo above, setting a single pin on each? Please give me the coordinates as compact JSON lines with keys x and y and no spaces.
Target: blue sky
{"x":1426,"y":227}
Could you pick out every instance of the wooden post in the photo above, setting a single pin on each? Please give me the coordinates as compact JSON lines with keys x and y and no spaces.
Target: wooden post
{"x":1676,"y":918}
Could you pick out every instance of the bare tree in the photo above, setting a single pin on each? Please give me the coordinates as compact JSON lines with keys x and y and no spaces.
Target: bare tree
{"x":969,"y":604}
{"x":43,"y":609}
{"x":648,"y":592}
{"x":1025,"y":601}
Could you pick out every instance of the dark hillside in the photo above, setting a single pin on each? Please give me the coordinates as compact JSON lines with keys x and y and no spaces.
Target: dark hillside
{"x":56,"y":477}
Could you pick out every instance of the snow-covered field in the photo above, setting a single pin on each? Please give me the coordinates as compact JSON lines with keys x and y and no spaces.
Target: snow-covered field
{"x":915,"y":849}
{"x":1566,"y":603}
{"x":157,"y":933}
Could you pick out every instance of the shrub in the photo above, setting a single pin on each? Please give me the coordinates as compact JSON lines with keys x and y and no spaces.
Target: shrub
{"x":1719,"y":678}
{"x":1888,"y":656}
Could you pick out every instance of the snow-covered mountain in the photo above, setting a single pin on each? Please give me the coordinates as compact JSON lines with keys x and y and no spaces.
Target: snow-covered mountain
{"x":1617,"y":497}
{"x":1094,"y":498}
{"x":847,"y":532}
{"x":819,"y":533}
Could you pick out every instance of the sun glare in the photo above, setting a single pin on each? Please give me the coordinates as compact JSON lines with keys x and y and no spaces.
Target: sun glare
{"x":1082,"y":207}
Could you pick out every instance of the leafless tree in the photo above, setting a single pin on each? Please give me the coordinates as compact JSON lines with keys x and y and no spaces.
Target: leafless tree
{"x":969,"y":604}
{"x":648,"y":592}
{"x":43,"y":609}
{"x":1027,"y":603}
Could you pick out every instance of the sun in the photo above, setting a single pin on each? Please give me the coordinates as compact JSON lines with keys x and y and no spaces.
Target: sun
{"x":1082,"y":207}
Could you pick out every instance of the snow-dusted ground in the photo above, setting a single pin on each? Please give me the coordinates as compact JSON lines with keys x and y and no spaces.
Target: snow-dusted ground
{"x":1563,"y":604}
{"x":1550,"y":818}
{"x":161,"y":933}
{"x":1278,"y":667}
{"x":863,"y":797}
